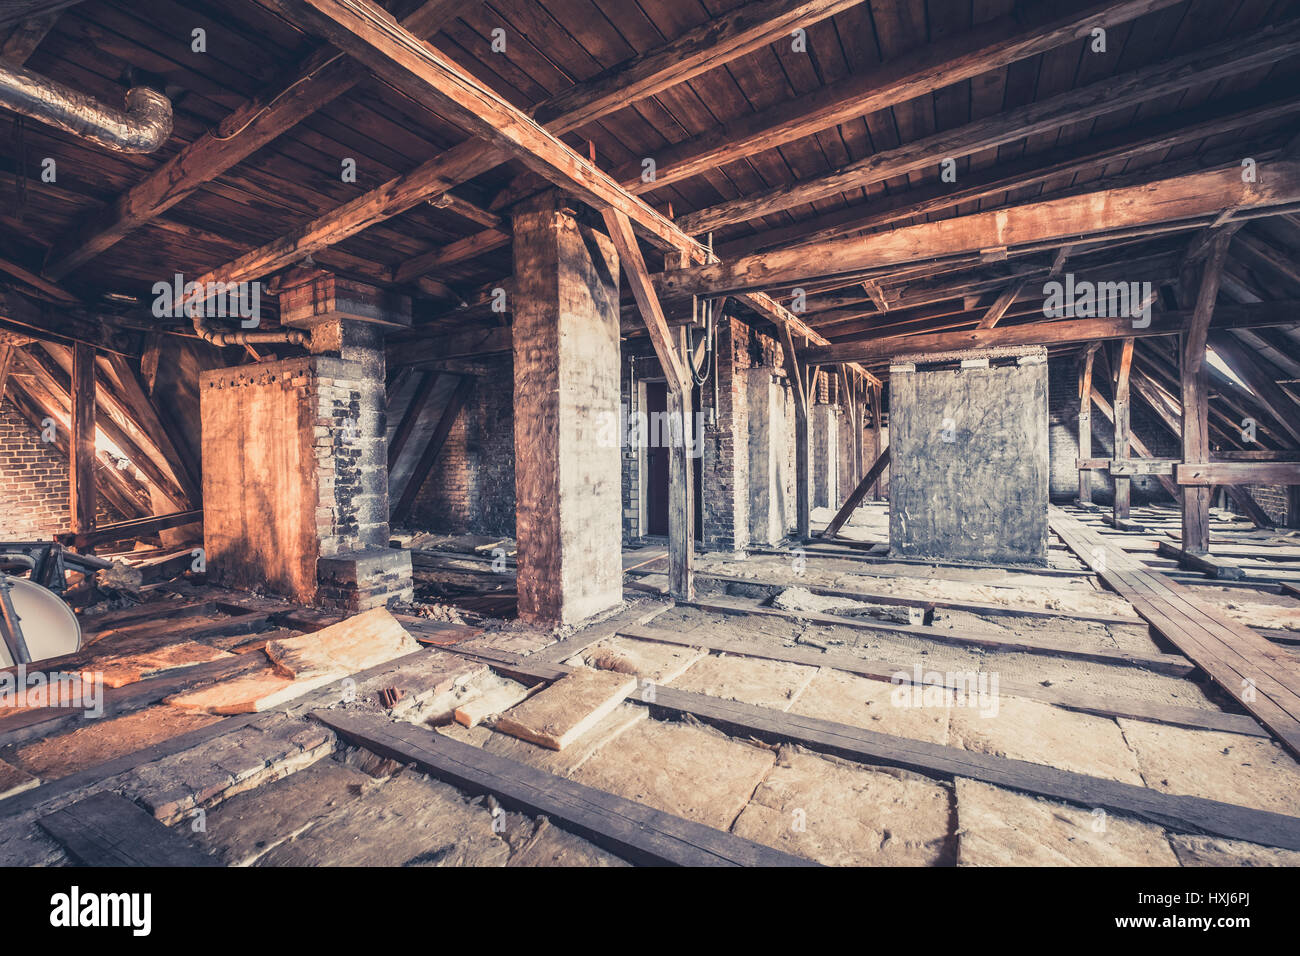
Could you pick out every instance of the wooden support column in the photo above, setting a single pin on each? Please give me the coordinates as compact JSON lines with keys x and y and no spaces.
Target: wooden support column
{"x":6,"y":362}
{"x":1123,"y":442}
{"x":803,"y":486}
{"x":566,"y":376}
{"x":1195,"y":395}
{"x":681,"y":494}
{"x":1085,"y":422}
{"x":81,"y":443}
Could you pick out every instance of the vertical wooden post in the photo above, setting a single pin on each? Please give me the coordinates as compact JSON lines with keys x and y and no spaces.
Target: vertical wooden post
{"x":1195,"y":395}
{"x":681,"y":489}
{"x":81,"y":443}
{"x":669,"y":349}
{"x":6,"y":361}
{"x":803,"y":487}
{"x":1123,"y":440}
{"x":1085,"y":423}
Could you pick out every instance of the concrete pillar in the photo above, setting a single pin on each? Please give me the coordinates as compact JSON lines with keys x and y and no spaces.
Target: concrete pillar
{"x":769,"y":457}
{"x":825,"y":456}
{"x":844,"y":468}
{"x":566,"y":368}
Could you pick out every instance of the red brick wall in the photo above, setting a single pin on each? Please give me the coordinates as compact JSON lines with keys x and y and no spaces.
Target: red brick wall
{"x":33,"y":481}
{"x":471,"y":488}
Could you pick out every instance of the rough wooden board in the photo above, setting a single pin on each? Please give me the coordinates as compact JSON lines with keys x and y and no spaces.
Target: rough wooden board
{"x":15,"y":780}
{"x":653,"y":661}
{"x":1249,"y":771}
{"x":106,"y":829}
{"x":766,"y":683}
{"x":102,"y":740}
{"x":1040,"y":733}
{"x":1210,"y":851}
{"x":998,"y":827}
{"x":242,"y":829}
{"x":849,"y":699}
{"x":500,"y":695}
{"x":120,"y":671}
{"x":685,"y":770}
{"x":563,"y":712}
{"x":251,"y":693}
{"x":560,"y":762}
{"x":360,"y":642}
{"x":850,"y":815}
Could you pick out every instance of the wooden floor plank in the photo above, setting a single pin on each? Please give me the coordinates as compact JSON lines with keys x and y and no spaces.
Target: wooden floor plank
{"x":1197,"y":718}
{"x":1172,"y":664}
{"x":1264,"y":679}
{"x":974,"y":607}
{"x":1184,"y":814}
{"x":107,"y":829}
{"x":632,"y":830}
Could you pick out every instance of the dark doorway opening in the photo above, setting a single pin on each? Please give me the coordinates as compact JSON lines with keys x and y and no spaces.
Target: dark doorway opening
{"x":656,"y":484}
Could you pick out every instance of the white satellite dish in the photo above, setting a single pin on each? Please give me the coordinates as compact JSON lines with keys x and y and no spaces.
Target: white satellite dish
{"x":49,"y":626}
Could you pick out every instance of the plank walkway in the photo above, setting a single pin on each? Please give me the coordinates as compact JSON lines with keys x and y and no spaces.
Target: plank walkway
{"x":1262,"y":678}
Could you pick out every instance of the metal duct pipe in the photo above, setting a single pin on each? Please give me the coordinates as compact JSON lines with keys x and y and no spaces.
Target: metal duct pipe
{"x":144,"y":126}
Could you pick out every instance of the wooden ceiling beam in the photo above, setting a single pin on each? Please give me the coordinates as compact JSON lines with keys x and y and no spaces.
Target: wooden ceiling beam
{"x":989,"y":46}
{"x":42,"y":320}
{"x":1177,"y":203}
{"x":370,"y":35}
{"x":703,"y":48}
{"x":25,"y":37}
{"x":322,"y":77}
{"x":1082,"y":103}
{"x":1048,"y":333}
{"x":1157,"y":136}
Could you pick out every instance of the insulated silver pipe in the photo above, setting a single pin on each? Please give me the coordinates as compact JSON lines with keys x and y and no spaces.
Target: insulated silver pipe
{"x":142,"y":128}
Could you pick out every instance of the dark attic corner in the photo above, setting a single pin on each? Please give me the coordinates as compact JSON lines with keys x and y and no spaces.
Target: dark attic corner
{"x":539,"y":433}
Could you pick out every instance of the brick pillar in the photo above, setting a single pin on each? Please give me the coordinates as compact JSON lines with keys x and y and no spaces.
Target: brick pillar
{"x":770,"y":464}
{"x":725,"y":474}
{"x":566,"y":368}
{"x":295,"y":455}
{"x":825,"y":456}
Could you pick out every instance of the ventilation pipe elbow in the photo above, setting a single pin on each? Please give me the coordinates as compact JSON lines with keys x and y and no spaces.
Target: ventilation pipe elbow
{"x":142,"y":128}
{"x":220,"y":337}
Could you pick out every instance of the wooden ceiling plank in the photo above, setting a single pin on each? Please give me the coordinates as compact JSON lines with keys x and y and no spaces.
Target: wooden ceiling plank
{"x":318,"y":80}
{"x":1223,"y":60}
{"x":990,"y":46}
{"x":370,"y":35}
